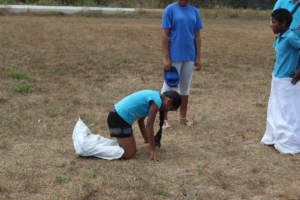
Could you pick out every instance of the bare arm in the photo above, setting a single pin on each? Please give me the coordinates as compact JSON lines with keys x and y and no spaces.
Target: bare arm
{"x":150,"y":131}
{"x":141,"y":123}
{"x":165,"y":46}
{"x":296,"y":77}
{"x":197,"y":42}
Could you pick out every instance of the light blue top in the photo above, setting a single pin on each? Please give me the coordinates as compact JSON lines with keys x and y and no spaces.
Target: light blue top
{"x":287,"y":54}
{"x":136,"y":105}
{"x":182,"y":22}
{"x":289,"y":5}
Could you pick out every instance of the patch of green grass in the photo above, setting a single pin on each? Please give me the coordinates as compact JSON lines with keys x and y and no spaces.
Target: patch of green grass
{"x":89,"y":174}
{"x":227,"y":141}
{"x":125,"y":59}
{"x":96,"y":170}
{"x":42,"y":88}
{"x":201,"y":171}
{"x":138,"y":178}
{"x":196,"y":85}
{"x":57,"y":47}
{"x":57,"y":196}
{"x":143,"y":170}
{"x":52,"y":112}
{"x":262,"y":83}
{"x":98,"y":102}
{"x":17,"y":74}
{"x":101,"y":84}
{"x":18,"y":120}
{"x":61,"y":179}
{"x":4,"y":166}
{"x":228,"y":72}
{"x":161,"y":192}
{"x":23,"y":88}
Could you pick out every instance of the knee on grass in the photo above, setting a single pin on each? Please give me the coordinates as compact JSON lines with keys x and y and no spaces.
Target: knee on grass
{"x":129,"y":154}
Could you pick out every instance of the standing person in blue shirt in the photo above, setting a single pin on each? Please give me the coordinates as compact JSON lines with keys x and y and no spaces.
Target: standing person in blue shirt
{"x":181,"y":44}
{"x":290,"y":5}
{"x":283,"y":125}
{"x":136,"y":107}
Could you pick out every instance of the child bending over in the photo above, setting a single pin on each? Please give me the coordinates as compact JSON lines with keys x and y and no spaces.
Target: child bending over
{"x":136,"y":107}
{"x":283,"y":126}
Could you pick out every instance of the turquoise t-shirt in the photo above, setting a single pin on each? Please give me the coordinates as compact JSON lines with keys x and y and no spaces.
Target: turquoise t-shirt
{"x":287,"y":54}
{"x":136,"y":105}
{"x":182,"y":23}
{"x":289,"y":5}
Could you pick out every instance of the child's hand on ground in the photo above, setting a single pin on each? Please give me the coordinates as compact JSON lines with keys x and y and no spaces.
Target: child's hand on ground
{"x":155,"y":156}
{"x":296,"y":78}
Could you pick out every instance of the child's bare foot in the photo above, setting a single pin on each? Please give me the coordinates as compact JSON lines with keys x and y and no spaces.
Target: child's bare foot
{"x":166,"y":126}
{"x":187,"y":122}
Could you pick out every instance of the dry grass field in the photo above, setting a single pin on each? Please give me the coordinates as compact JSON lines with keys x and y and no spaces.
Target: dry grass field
{"x":54,"y":69}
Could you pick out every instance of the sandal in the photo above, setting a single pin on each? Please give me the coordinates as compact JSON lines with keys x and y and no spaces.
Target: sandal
{"x":188,"y":123}
{"x":167,"y":127}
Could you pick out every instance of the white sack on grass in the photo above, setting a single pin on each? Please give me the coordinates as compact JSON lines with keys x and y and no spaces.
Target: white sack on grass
{"x":88,"y":144}
{"x":283,"y":120}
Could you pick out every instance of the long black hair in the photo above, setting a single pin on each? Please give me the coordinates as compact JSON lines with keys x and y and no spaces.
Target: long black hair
{"x":176,"y":103}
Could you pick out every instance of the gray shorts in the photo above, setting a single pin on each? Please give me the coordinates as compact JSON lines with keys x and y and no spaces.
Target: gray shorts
{"x":185,"y":70}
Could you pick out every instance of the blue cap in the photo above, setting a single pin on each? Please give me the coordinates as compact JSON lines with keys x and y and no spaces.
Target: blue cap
{"x":171,"y":77}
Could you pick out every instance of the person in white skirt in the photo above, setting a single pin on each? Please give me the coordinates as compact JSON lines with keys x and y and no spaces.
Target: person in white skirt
{"x":283,"y":118}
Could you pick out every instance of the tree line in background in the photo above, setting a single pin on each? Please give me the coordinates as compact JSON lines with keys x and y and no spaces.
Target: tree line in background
{"x":246,"y":4}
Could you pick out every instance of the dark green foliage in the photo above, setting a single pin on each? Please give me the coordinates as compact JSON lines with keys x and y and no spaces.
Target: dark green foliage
{"x":23,"y":88}
{"x":17,"y":74}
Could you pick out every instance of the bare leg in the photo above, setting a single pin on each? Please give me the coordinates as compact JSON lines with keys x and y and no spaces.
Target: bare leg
{"x":129,"y":146}
{"x":183,"y":110}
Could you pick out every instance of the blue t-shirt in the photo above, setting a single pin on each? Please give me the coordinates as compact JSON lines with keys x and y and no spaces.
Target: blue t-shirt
{"x":182,"y":22}
{"x":289,"y":5}
{"x":136,"y":105}
{"x":287,"y":54}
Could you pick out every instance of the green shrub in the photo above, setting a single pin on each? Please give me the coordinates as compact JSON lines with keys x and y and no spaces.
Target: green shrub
{"x":42,"y":88}
{"x":17,"y":74}
{"x":60,"y":179}
{"x":23,"y":88}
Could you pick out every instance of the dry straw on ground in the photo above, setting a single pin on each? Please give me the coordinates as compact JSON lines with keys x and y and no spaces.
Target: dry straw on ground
{"x":82,"y":66}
